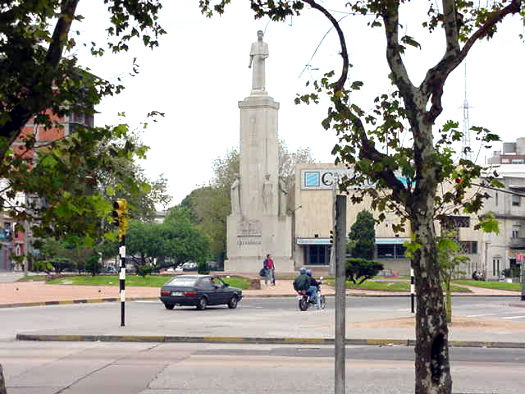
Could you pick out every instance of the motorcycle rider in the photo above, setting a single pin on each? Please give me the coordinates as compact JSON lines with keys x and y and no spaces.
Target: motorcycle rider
{"x":302,"y":281}
{"x":313,"y":289}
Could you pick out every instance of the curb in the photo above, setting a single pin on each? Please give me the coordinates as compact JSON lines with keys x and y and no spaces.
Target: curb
{"x":254,"y":340}
{"x":71,"y":302}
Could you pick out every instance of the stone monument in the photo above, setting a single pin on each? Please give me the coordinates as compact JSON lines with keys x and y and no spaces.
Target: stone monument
{"x":259,"y":223}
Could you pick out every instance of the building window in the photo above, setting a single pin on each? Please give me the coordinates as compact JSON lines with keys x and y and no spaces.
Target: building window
{"x":517,"y":161}
{"x":468,"y":247}
{"x":516,"y":200}
{"x":495,"y":267}
{"x":496,"y":198}
{"x":390,"y":251}
{"x":317,"y":255}
{"x":505,"y":161}
{"x":453,"y":222}
{"x":516,"y":231}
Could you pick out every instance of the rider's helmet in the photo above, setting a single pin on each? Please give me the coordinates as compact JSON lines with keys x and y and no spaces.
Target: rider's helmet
{"x":302,"y":271}
{"x":308,"y":272}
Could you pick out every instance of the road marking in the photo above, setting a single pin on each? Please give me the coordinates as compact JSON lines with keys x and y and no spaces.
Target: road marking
{"x":513,"y":317}
{"x":483,"y":314}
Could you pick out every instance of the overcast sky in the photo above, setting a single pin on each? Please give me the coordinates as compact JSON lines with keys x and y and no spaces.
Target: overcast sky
{"x":200,"y":72}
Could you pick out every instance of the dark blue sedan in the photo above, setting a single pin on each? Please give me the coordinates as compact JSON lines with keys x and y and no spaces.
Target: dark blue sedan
{"x":199,"y":291}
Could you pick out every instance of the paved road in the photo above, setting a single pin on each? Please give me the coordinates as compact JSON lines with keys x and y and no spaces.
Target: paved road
{"x":132,"y":368}
{"x":491,"y":319}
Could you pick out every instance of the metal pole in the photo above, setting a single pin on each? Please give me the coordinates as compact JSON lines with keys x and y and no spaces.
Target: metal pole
{"x":340,"y":293}
{"x":122,"y":277}
{"x":522,"y":280}
{"x":412,"y":289}
{"x":331,"y":267}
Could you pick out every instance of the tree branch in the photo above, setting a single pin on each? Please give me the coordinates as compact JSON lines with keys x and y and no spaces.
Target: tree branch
{"x":39,"y":101}
{"x":390,"y":15}
{"x":339,"y":85}
{"x":433,"y":83}
{"x":368,"y":149}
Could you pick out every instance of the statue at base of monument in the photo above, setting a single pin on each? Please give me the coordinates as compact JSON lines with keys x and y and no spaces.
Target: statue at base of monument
{"x":235,"y":197}
{"x":258,"y":54}
{"x":267,"y":195}
{"x":283,"y":198}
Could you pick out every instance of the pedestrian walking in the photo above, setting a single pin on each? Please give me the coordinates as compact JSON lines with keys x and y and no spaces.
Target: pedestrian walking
{"x":269,"y":266}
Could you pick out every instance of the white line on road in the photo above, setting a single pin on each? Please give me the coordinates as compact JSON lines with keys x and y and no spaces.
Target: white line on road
{"x":513,"y":317}
{"x":483,"y":314}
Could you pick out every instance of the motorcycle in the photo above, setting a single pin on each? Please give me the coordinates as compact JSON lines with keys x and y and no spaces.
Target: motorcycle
{"x":305,"y":300}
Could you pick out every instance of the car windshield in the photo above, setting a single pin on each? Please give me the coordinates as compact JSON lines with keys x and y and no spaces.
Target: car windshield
{"x":183,"y":281}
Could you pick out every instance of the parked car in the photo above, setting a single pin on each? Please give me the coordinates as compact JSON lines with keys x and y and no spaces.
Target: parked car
{"x":189,"y":266}
{"x":199,"y":291}
{"x":214,"y":266}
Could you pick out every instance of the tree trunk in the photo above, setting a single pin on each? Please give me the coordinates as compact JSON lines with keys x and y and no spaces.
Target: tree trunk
{"x":432,"y":362}
{"x":2,"y":381}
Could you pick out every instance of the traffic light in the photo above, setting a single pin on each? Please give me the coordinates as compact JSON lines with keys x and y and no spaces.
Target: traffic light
{"x":120,"y":217}
{"x":331,"y":237}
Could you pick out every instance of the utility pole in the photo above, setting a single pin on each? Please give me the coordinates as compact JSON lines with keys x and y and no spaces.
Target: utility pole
{"x":340,"y":293}
{"x":412,"y":289}
{"x":522,"y":269}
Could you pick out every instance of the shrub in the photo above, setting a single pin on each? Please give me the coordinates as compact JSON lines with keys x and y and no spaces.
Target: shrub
{"x":357,"y":268}
{"x":93,"y":266}
{"x":43,"y":266}
{"x":144,"y":270}
{"x":203,"y":268}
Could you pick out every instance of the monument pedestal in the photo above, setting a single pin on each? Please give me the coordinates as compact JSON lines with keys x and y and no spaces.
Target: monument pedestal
{"x":249,"y":241}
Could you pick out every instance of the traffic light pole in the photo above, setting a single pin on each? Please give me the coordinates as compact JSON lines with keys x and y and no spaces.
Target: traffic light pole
{"x":122,"y":277}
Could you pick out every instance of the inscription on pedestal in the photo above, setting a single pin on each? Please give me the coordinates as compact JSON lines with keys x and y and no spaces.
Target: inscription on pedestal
{"x":250,"y":232}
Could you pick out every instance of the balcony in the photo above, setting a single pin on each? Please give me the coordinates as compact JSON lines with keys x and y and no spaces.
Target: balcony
{"x":517,"y":243}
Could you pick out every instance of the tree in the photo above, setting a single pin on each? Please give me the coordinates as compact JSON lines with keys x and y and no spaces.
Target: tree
{"x":40,"y":79}
{"x":359,"y":269}
{"x":177,"y":239}
{"x":449,"y":262}
{"x":373,"y":142}
{"x":362,"y":236}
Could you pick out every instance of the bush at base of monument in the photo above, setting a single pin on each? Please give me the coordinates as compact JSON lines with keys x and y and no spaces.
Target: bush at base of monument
{"x":203,"y":268}
{"x":357,"y":268}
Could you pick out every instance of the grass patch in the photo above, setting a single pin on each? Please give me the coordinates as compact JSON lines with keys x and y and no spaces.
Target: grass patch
{"x":236,"y":281}
{"x":394,"y":285}
{"x":32,"y":278}
{"x":133,"y":280}
{"x":490,"y":285}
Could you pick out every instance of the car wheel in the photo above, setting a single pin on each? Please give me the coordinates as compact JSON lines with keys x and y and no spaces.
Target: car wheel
{"x":169,"y":306}
{"x":203,"y":302}
{"x":232,"y":304}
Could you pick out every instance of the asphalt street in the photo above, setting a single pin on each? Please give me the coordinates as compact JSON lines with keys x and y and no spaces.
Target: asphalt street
{"x":371,"y":317}
{"x":162,"y":368}
{"x":139,"y":368}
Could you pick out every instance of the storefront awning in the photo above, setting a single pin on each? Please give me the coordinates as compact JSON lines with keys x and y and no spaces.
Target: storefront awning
{"x":326,"y":241}
{"x":313,"y":241}
{"x":390,"y":241}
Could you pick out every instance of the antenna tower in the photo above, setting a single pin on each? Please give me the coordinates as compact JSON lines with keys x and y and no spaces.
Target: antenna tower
{"x":465,"y":141}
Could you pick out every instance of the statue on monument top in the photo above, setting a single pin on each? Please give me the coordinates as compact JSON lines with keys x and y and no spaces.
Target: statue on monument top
{"x":258,"y":54}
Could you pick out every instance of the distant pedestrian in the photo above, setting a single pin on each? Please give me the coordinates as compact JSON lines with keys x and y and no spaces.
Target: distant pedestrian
{"x":269,"y":266}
